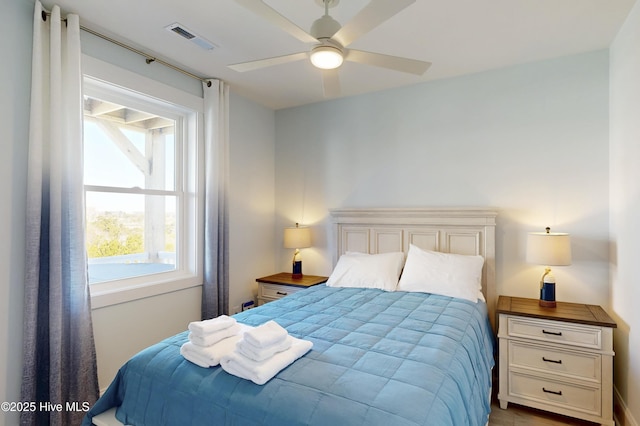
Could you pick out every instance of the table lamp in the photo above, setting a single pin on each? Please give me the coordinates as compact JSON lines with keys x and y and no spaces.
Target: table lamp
{"x":297,"y":238}
{"x":549,"y":249}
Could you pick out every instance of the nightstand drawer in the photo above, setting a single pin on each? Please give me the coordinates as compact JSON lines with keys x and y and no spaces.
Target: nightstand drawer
{"x":275,"y":291}
{"x":580,"y":365}
{"x":556,"y":393}
{"x":557,"y":332}
{"x":277,"y":286}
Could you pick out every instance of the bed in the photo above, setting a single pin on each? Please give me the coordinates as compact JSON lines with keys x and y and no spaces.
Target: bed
{"x":378,"y":357}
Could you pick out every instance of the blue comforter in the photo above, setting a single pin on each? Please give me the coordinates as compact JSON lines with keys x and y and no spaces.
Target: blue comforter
{"x":378,"y":358}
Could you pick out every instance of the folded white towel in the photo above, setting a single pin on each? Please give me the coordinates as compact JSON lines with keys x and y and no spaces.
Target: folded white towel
{"x":215,"y":336}
{"x":208,"y":356}
{"x":202,"y":328}
{"x":267,"y":334}
{"x":260,"y":354}
{"x":261,"y":372}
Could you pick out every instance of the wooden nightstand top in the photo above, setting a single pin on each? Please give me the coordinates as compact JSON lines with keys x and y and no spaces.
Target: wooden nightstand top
{"x":285,"y":279}
{"x":570,"y":312}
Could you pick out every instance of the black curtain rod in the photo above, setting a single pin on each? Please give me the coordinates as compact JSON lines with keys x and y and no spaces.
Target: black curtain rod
{"x":148,"y":58}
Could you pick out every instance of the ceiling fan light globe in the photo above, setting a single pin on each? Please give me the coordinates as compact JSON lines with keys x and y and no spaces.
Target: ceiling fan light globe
{"x":326,"y":57}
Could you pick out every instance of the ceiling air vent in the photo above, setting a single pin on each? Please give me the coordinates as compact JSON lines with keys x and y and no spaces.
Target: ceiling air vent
{"x":182,"y":31}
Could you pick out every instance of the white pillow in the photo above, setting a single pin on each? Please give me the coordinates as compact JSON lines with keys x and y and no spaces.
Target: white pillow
{"x":367,"y":271}
{"x":454,"y":275}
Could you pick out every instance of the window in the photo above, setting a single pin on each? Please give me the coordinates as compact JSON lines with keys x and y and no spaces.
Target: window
{"x":133,"y":194}
{"x":141,"y":176}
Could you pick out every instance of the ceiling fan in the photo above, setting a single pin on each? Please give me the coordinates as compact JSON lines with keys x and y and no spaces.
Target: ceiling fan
{"x":329,"y":41}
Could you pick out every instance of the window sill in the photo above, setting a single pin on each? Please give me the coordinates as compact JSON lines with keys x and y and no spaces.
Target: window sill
{"x":101,"y":298}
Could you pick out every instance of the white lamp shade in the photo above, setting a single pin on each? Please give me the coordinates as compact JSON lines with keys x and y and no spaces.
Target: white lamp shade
{"x":297,"y":238}
{"x":550,"y":249}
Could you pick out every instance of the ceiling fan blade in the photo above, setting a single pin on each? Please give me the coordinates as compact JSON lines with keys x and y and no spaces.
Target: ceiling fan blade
{"x":330,"y":83}
{"x":259,"y":7}
{"x":268,"y":62}
{"x":372,"y":15}
{"x":411,"y":66}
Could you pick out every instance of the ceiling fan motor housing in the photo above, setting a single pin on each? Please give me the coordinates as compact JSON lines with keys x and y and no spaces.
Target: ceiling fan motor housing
{"x":324,"y":27}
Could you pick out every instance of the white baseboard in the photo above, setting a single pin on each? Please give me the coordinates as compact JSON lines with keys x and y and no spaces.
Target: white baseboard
{"x":621,"y":413}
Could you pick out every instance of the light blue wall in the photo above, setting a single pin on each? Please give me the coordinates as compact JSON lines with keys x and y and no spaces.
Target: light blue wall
{"x":251,"y":198}
{"x":530,"y":141}
{"x":625,"y":208}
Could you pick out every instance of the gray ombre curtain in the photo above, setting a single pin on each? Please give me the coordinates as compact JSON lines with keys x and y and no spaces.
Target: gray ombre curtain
{"x":215,"y":290}
{"x":59,"y":352}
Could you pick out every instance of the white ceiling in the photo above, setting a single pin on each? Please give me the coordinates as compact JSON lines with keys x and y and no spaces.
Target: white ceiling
{"x":457,"y":36}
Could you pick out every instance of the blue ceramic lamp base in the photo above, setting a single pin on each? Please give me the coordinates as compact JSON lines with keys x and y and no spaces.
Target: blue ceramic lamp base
{"x":297,"y":270}
{"x":548,"y":295}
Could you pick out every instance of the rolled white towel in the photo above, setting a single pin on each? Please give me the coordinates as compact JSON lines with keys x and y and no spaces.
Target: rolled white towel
{"x":202,"y":328}
{"x":261,"y":372}
{"x":215,"y":336}
{"x":260,"y":354}
{"x":265,"y":335}
{"x":208,"y":356}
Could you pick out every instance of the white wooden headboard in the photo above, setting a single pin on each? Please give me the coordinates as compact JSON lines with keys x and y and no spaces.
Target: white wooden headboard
{"x":468,"y":231}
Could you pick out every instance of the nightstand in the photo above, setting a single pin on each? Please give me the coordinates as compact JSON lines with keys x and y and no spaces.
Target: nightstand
{"x":556,"y":359}
{"x":277,"y":286}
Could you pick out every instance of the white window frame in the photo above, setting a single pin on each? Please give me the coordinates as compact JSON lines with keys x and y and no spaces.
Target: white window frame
{"x":111,"y":83}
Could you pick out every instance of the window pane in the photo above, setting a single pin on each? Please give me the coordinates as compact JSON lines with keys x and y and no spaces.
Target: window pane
{"x":102,"y":157}
{"x":129,"y":235}
{"x":127,"y":148}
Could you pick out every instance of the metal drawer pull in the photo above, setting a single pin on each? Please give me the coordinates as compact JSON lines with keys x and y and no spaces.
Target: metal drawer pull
{"x":552,"y":360}
{"x":553,"y":333}
{"x":553,"y":392}
{"x":282,"y":293}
